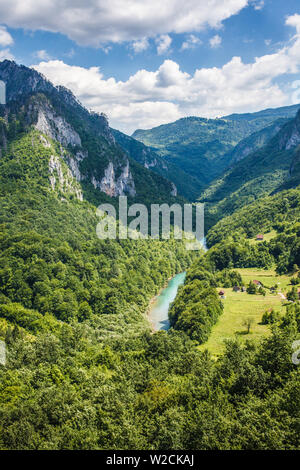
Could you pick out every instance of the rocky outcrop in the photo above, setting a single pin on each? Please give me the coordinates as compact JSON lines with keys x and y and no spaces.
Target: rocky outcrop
{"x":174,"y":190}
{"x":290,"y":135}
{"x":56,"y":127}
{"x":74,"y":164}
{"x":61,"y":178}
{"x":293,"y":141}
{"x":112,"y":186}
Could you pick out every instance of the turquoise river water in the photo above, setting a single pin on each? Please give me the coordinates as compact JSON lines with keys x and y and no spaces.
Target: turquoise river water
{"x":158,"y":314}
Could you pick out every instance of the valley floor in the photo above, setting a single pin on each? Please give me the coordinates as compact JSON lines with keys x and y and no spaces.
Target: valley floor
{"x":239,"y":306}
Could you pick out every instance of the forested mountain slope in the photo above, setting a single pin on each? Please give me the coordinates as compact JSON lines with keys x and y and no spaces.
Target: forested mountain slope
{"x":204,"y":148}
{"x":93,"y":157}
{"x":184,"y":184}
{"x":266,"y":170}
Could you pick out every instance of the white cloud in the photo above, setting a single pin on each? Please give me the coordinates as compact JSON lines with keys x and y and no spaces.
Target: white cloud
{"x":215,"y":41}
{"x":42,"y":54}
{"x":5,"y":38}
{"x":191,"y":42}
{"x":150,"y":98}
{"x":163,"y":44}
{"x":258,"y":4}
{"x":140,"y":45}
{"x":294,"y":21}
{"x":6,"y":54}
{"x":98,"y":22}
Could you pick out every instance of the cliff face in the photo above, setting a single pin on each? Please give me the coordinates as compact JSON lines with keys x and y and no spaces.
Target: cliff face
{"x":290,"y":134}
{"x":113,"y":186}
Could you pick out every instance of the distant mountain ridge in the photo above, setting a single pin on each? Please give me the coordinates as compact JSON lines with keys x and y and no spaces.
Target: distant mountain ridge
{"x":205,"y":148}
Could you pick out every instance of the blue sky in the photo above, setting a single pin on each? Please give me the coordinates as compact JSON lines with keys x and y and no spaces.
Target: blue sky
{"x":147,"y":62}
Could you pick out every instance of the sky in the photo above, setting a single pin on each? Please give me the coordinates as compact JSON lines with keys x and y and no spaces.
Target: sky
{"x":149,"y":62}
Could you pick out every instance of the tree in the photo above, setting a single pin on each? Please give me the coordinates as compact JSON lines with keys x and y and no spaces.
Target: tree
{"x":295,"y":269}
{"x":262,"y":291}
{"x":248,"y":322}
{"x":292,"y":295}
{"x":251,"y":289}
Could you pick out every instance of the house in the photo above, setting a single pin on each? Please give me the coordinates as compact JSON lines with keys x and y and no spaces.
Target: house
{"x":236,"y":289}
{"x":257,"y":283}
{"x":299,"y":294}
{"x":244,"y":289}
{"x":259,"y":237}
{"x":222,"y":294}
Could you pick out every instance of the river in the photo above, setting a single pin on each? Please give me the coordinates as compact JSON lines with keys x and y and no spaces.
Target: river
{"x":158,"y":313}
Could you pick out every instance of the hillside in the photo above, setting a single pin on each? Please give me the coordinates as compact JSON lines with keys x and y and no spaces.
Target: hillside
{"x":219,"y":295}
{"x":266,"y":170}
{"x":149,"y":158}
{"x":204,"y":148}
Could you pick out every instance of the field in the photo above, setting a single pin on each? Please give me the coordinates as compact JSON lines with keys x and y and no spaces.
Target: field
{"x":239,"y":306}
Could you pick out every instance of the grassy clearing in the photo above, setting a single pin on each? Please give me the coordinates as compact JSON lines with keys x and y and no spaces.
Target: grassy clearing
{"x":239,"y":306}
{"x":267,"y":237}
{"x":267,"y":277}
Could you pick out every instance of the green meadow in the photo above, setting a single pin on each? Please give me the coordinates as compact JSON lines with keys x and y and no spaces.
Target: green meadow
{"x":240,"y":306}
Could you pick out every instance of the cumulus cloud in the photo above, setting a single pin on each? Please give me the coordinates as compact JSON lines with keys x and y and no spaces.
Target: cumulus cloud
{"x":5,"y":38}
{"x":163,"y":44}
{"x":191,"y":42}
{"x":215,"y":41}
{"x":150,"y":98}
{"x":140,"y":45}
{"x":98,"y":22}
{"x":294,"y":21}
{"x":42,"y":55}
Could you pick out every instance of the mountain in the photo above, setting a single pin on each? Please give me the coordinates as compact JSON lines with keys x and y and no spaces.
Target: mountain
{"x":149,"y":158}
{"x":271,"y":168}
{"x":254,"y":142}
{"x":203,"y":148}
{"x":87,"y":145}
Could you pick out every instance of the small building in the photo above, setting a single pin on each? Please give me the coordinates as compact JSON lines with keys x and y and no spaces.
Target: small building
{"x":257,"y":283}
{"x":236,"y":289}
{"x":244,"y":289}
{"x":299,"y":294}
{"x":222,"y":294}
{"x":259,"y":237}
